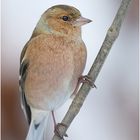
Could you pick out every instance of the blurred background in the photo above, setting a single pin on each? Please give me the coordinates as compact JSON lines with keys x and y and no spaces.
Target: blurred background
{"x":110,"y":112}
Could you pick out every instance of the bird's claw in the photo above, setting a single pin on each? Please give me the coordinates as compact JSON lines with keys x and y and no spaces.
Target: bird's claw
{"x":57,"y":131}
{"x":87,"y":79}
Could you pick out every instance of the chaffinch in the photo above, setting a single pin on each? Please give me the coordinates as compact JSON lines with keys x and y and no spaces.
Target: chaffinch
{"x":50,"y":65}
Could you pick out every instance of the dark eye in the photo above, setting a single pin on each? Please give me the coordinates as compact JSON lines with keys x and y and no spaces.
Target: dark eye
{"x":65,"y":18}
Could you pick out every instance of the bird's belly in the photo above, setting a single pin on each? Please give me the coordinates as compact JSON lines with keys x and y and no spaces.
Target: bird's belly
{"x":50,"y":98}
{"x":47,"y":87}
{"x":57,"y":98}
{"x":53,"y":74}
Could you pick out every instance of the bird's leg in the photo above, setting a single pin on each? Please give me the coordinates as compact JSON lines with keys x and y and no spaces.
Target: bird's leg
{"x":76,"y":89}
{"x":83,"y":79}
{"x":54,"y":121}
{"x":87,"y":79}
{"x":56,"y":127}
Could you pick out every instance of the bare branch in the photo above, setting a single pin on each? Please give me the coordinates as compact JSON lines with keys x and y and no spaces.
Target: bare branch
{"x":110,"y":38}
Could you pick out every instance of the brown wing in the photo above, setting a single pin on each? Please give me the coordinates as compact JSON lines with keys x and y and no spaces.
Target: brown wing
{"x":23,"y":73}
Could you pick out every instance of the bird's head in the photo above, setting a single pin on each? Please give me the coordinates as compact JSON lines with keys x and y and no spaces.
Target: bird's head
{"x":62,"y":20}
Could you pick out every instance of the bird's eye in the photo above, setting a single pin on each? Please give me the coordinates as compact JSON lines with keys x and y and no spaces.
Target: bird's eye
{"x":65,"y":18}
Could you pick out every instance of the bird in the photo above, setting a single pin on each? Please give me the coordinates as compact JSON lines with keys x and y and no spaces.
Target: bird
{"x":51,"y":64}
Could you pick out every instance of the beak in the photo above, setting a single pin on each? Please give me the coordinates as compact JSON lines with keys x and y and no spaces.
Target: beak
{"x":81,"y":21}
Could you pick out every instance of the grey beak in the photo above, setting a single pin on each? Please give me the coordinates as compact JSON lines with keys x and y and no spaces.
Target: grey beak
{"x":81,"y":21}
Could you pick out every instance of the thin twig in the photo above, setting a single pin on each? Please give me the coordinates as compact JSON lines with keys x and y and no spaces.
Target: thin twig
{"x":111,"y":36}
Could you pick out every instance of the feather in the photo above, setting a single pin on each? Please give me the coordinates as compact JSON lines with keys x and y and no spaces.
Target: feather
{"x":23,"y":73}
{"x":38,"y":125}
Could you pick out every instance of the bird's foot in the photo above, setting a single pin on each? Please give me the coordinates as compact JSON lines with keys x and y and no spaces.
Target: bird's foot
{"x":57,"y":131}
{"x":87,"y":79}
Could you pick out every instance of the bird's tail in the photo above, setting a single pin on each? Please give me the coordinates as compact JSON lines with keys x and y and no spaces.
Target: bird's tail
{"x":37,"y":129}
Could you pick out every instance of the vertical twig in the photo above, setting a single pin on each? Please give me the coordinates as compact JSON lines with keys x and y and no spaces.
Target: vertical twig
{"x":111,"y":36}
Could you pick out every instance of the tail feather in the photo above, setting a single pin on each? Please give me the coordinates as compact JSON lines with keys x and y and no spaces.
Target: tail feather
{"x":37,"y":129}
